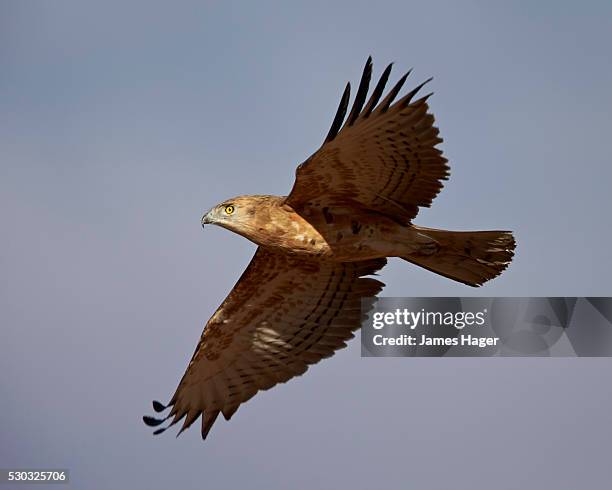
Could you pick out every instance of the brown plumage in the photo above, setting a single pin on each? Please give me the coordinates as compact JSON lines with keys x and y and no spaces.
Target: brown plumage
{"x":351,"y":206}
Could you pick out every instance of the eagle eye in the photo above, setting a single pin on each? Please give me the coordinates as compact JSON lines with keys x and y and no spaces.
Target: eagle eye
{"x":229,"y":209}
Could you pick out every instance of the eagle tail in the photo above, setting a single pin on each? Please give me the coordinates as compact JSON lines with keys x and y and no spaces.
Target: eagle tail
{"x":470,"y":257}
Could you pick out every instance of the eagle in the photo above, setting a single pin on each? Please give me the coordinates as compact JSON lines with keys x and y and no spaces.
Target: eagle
{"x":351,"y":207}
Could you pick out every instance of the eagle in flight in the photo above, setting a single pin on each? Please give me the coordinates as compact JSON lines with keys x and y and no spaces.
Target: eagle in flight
{"x":351,"y":207}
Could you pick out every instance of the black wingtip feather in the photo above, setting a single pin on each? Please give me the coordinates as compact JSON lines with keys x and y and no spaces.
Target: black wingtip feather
{"x":423,"y":99}
{"x":152,"y":421}
{"x":362,"y":92}
{"x":159,"y":431}
{"x":340,"y":113}
{"x":408,"y":97}
{"x":159,"y":406}
{"x":378,"y":91}
{"x":384,"y":105}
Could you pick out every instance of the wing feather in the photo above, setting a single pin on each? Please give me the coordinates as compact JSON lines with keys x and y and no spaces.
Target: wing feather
{"x":362,"y":92}
{"x":340,"y":113}
{"x":383,"y":159}
{"x":377,"y":92}
{"x":284,"y":314}
{"x":384,"y":105}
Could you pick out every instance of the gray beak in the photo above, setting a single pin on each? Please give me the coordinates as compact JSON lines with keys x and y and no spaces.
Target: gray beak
{"x":206,"y":219}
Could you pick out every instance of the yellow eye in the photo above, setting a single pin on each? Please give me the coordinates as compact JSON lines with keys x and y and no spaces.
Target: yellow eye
{"x":229,"y":209}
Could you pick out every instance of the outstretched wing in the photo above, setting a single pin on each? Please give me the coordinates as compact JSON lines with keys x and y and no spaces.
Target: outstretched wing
{"x":383,"y":158}
{"x":285,"y":313}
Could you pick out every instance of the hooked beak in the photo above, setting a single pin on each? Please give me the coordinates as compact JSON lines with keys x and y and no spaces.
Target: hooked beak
{"x":206,"y":219}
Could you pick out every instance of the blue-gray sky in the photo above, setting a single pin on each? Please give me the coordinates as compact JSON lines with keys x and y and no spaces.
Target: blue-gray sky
{"x":121,"y":122}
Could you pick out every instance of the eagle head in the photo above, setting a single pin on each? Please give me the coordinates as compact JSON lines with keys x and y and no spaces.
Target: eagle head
{"x":242,"y":214}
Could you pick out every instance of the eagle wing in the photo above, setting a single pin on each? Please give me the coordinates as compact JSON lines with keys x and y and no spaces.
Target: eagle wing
{"x":383,"y":158}
{"x":284,"y":313}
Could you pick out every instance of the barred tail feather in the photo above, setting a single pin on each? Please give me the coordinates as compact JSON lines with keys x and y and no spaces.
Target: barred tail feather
{"x":470,"y":257}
